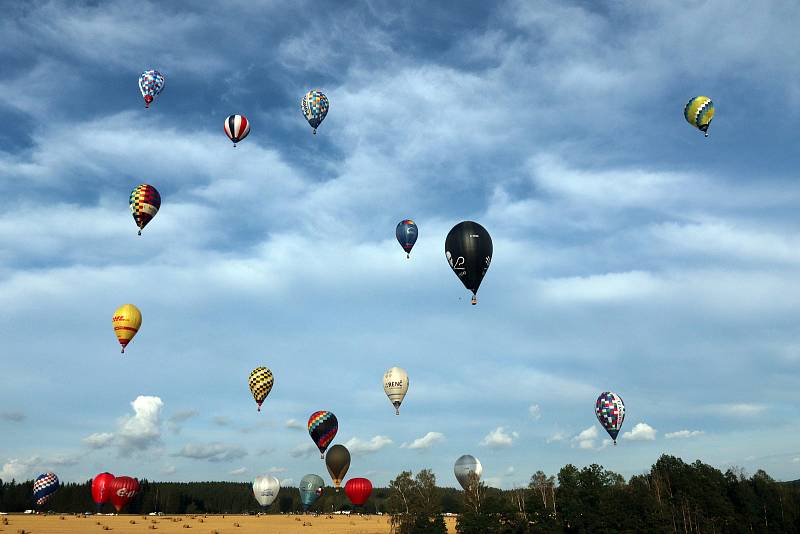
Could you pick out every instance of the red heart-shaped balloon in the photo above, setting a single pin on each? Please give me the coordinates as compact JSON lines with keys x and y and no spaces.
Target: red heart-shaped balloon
{"x":123,"y":489}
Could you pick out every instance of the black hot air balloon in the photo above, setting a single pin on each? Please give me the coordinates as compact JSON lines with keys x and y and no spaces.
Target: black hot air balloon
{"x":468,"y":248}
{"x":337,"y":461}
{"x":406,"y":233}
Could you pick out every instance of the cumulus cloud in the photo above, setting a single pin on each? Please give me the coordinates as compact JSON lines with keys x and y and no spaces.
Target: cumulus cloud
{"x":20,"y":469}
{"x":212,"y":452}
{"x":586,"y":438}
{"x":736,"y":409}
{"x":99,"y":440}
{"x":359,"y":446}
{"x":535,"y":412}
{"x":141,"y":430}
{"x":425,"y":442}
{"x":239,"y":471}
{"x":14,"y":417}
{"x":274,"y":469}
{"x":294,"y":424}
{"x":641,"y":432}
{"x":498,"y":438}
{"x":681,"y":434}
{"x":558,"y":435}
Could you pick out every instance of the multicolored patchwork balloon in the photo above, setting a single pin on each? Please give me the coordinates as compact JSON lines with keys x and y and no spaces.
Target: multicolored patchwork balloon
{"x":699,"y":112}
{"x":406,"y":233}
{"x":127,"y":320}
{"x":315,"y":106}
{"x":151,"y":83}
{"x":322,"y":427}
{"x":260,"y":381}
{"x":145,"y":202}
{"x":610,"y":411}
{"x":237,"y":127}
{"x":44,"y":487}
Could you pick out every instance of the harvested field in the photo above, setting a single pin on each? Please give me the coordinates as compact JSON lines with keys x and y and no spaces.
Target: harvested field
{"x":205,"y":524}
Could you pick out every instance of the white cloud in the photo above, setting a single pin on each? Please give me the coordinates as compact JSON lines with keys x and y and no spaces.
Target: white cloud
{"x":239,"y":471}
{"x":20,"y":469}
{"x":169,"y":470}
{"x":213,"y":452}
{"x":358,"y":446}
{"x":586,"y":438}
{"x":277,"y":470}
{"x":294,"y":424}
{"x":499,"y":438}
{"x":641,"y":432}
{"x":98,"y":440}
{"x":425,"y":442}
{"x":304,"y":450}
{"x":796,"y":460}
{"x":680,"y":434}
{"x":535,"y":412}
{"x":509,"y":471}
{"x":176,"y":420}
{"x":143,"y":429}
{"x":558,"y":435}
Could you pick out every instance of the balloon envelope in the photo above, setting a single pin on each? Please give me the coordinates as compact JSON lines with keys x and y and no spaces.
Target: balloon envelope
{"x":358,"y":490}
{"x":151,"y":83}
{"x":126,"y":321}
{"x":260,"y":381}
{"x":338,"y":462}
{"x":322,"y":427}
{"x":145,"y":201}
{"x":699,"y":112}
{"x":237,"y":127}
{"x":44,"y":487}
{"x":123,"y":489}
{"x":468,"y":249}
{"x":610,"y":411}
{"x":395,"y":385}
{"x":311,"y":488}
{"x":315,"y":107}
{"x":406,"y":233}
{"x":265,"y":489}
{"x":465,"y":465}
{"x":101,"y":488}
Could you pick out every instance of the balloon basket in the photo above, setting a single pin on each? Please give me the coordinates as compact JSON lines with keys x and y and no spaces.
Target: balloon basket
{"x":474,"y":300}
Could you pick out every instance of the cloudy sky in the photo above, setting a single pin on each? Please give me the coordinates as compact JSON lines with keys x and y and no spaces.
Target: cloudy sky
{"x":630,"y":253}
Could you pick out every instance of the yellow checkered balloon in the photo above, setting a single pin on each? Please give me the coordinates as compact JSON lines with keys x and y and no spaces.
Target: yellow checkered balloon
{"x":261,"y":381}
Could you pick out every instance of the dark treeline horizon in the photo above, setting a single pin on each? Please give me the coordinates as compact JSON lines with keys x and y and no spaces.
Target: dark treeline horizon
{"x":673,"y":496}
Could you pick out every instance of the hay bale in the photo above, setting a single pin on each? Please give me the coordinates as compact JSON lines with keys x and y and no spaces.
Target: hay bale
{"x":132,"y":521}
{"x":152,"y":527}
{"x":187,"y":526}
{"x":236,"y":524}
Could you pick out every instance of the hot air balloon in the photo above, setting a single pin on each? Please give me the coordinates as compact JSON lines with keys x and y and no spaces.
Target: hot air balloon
{"x":127,"y":320}
{"x":261,"y":381}
{"x":123,"y":490}
{"x":358,"y":490}
{"x":338,"y":462}
{"x":610,"y":411}
{"x":101,"y":488}
{"x":406,"y":233}
{"x":468,"y":249}
{"x":395,"y":385}
{"x":265,"y":489}
{"x":151,"y":83}
{"x":145,"y":202}
{"x":322,"y":427}
{"x":236,"y":128}
{"x":44,"y":487}
{"x":699,"y":112}
{"x":311,"y":488}
{"x":315,"y":106}
{"x":464,"y":466}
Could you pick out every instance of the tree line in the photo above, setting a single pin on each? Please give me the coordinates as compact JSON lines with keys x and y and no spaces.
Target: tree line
{"x":673,"y":496}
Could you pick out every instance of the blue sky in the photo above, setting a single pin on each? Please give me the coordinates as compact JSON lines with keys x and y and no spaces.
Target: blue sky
{"x":630,"y":253}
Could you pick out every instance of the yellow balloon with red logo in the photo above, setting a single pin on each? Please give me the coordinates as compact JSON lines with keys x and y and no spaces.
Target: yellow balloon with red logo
{"x":127,"y":320}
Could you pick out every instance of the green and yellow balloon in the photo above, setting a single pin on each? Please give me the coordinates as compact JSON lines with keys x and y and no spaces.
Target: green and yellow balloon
{"x":699,"y":112}
{"x":260,"y":381}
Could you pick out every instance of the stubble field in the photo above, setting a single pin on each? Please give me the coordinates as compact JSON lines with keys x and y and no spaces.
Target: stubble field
{"x":228,"y":524}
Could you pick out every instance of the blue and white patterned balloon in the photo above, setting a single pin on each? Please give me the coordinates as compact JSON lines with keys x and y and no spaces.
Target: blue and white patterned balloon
{"x":44,"y":487}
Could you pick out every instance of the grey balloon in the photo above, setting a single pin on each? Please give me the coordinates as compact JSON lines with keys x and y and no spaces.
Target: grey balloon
{"x":464,"y":466}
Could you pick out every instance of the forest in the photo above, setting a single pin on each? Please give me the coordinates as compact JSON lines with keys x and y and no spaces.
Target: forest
{"x":673,"y":496}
